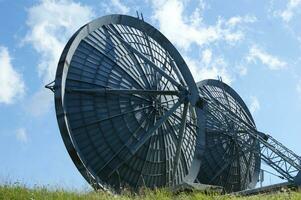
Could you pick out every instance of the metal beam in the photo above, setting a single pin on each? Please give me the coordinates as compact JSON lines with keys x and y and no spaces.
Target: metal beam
{"x":124,"y":145}
{"x":133,"y":57}
{"x":134,"y":146}
{"x":269,"y":148}
{"x":222,"y":168}
{"x":123,"y":91}
{"x":180,"y":141}
{"x":136,"y":80}
{"x":113,"y":116}
{"x":148,"y":61}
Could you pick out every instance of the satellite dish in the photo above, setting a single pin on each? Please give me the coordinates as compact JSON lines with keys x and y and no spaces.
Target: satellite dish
{"x":124,"y":100}
{"x":228,"y":160}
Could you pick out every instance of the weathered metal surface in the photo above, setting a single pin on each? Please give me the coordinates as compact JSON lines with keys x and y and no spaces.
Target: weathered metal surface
{"x":125,"y":104}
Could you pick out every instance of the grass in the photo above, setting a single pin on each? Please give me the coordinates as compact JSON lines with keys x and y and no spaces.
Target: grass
{"x":8,"y":192}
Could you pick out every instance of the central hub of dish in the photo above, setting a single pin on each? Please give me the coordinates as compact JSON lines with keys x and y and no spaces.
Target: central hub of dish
{"x":157,"y":103}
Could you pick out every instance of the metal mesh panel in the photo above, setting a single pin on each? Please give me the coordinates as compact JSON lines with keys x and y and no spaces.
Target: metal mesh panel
{"x":123,"y":105}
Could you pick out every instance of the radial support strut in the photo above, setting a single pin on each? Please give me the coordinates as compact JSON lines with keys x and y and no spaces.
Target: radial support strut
{"x":123,"y":91}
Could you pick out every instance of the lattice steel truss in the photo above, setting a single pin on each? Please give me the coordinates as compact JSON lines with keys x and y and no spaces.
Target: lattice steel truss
{"x":272,"y":152}
{"x":279,"y":157}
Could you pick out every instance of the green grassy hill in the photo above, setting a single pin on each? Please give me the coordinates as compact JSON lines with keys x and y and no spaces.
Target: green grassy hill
{"x":8,"y":192}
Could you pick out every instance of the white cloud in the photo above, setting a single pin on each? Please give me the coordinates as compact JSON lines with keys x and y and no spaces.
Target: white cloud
{"x":207,"y":56}
{"x":234,"y":21}
{"x":254,"y":105}
{"x":185,"y":31}
{"x":272,"y":62}
{"x":292,"y":7}
{"x":11,"y":83}
{"x":242,"y":70}
{"x":51,"y":23}
{"x":209,"y":69}
{"x":119,"y":7}
{"x":21,"y":135}
{"x":40,"y":102}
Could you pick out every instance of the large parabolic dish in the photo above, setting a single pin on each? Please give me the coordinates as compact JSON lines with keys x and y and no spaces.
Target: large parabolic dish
{"x":232,"y":156}
{"x":124,"y":101}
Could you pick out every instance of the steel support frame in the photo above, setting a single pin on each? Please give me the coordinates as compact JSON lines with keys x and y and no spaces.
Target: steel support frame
{"x":272,"y":152}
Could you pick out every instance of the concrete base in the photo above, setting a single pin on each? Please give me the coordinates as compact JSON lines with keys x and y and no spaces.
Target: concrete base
{"x":189,"y":187}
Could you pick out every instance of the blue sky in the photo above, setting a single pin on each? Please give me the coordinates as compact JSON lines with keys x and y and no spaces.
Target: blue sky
{"x":254,"y":45}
